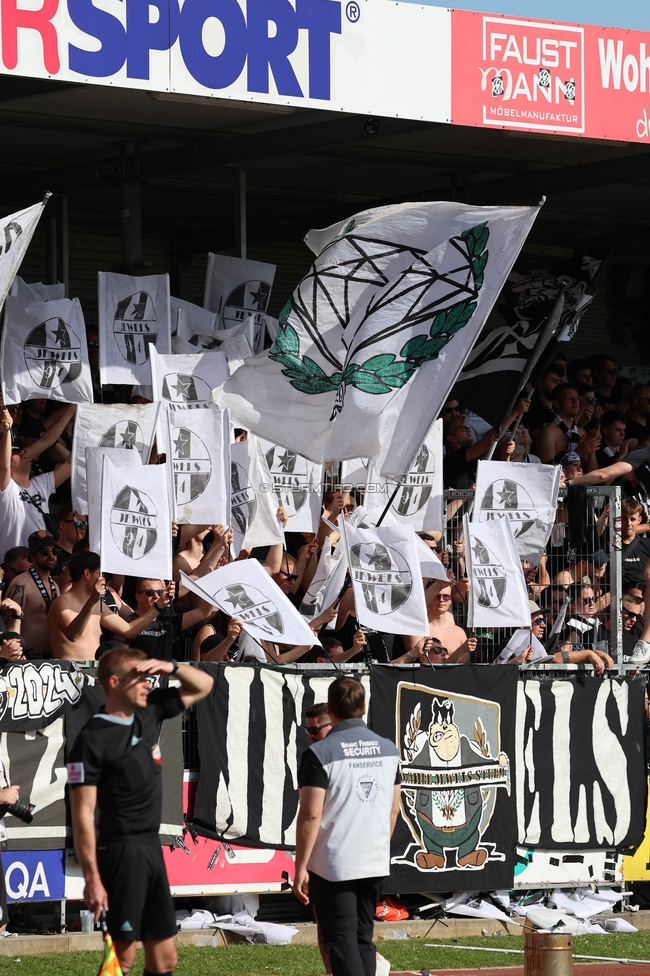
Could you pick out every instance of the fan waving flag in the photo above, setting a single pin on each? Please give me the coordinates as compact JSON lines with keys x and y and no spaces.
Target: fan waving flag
{"x":186,"y":382}
{"x":253,"y":507}
{"x":44,"y":352}
{"x":497,"y":596}
{"x":16,"y":232}
{"x":134,"y":316}
{"x":525,"y":495}
{"x":199,"y":451}
{"x":375,"y":335}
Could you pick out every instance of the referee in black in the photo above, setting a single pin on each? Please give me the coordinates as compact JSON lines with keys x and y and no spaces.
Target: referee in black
{"x":115,"y":765}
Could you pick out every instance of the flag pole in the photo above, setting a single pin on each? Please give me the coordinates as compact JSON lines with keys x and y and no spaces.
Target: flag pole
{"x":545,"y":336}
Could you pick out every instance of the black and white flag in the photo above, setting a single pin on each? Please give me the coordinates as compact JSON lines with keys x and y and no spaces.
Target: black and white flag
{"x":186,"y":382}
{"x":245,"y":590}
{"x":128,"y":426}
{"x":419,"y":499}
{"x":44,"y":352}
{"x":491,"y":377}
{"x":297,"y":484}
{"x":239,"y":290}
{"x":454,"y":729}
{"x":581,"y":767}
{"x":235,"y":343}
{"x":134,"y":316}
{"x":327,"y":581}
{"x":498,"y":596}
{"x":253,"y":504}
{"x":386,"y":578}
{"x":251,"y":740}
{"x":136,"y":524}
{"x":120,"y":458}
{"x":37,"y":291}
{"x":525,"y":495}
{"x":16,"y":231}
{"x":196,"y":319}
{"x":198,"y":460}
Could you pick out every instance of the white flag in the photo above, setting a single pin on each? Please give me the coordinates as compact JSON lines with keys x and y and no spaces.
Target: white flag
{"x":36,"y":291}
{"x":126,"y":425}
{"x":329,"y":564}
{"x":377,"y":332}
{"x":44,"y":352}
{"x":520,"y":640}
{"x":245,"y":590}
{"x":497,"y":594}
{"x":192,"y":338}
{"x":186,"y":382}
{"x":386,"y":577}
{"x":253,"y":503}
{"x":136,"y":524}
{"x":200,"y":463}
{"x":297,"y":484}
{"x":236,"y":289}
{"x":16,"y":232}
{"x":431,"y":566}
{"x":526,"y":498}
{"x":420,"y":499}
{"x":196,"y":318}
{"x":134,"y":316}
{"x":120,"y":458}
{"x":354,"y":472}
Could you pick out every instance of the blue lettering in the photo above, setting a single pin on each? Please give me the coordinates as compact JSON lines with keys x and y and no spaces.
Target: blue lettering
{"x":142,"y":36}
{"x":108,"y":30}
{"x":263,"y":40}
{"x":266,"y":52}
{"x":321,"y":18}
{"x":222,"y":70}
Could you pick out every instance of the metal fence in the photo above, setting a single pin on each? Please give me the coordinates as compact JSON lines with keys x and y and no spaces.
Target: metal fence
{"x":584,"y":547}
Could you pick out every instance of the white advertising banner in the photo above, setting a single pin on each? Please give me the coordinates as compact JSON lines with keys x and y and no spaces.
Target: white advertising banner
{"x":133,"y":318}
{"x":200,"y":464}
{"x":136,"y":525}
{"x":497,"y":594}
{"x":525,"y":495}
{"x":245,"y":590}
{"x":44,"y":352}
{"x":119,"y":458}
{"x":386,"y":578}
{"x":125,"y":425}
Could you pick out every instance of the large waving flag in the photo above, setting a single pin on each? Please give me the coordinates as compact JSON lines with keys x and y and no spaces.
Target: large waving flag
{"x":375,"y":335}
{"x":16,"y":232}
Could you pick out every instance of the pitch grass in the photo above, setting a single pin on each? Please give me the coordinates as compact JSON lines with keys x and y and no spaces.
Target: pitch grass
{"x":299,"y":960}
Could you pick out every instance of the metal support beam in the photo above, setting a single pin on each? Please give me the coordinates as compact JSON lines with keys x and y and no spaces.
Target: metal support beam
{"x":56,"y":242}
{"x":131,"y":219}
{"x":240,"y":212}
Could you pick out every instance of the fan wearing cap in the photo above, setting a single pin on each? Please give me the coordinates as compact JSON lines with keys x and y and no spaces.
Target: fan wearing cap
{"x":24,"y":500}
{"x":571,"y":466}
{"x":35,"y":591}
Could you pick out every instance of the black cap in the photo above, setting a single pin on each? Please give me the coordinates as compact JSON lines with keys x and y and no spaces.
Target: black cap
{"x":39,"y":540}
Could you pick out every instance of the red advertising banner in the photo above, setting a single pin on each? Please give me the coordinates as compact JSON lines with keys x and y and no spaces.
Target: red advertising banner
{"x":543,"y":76}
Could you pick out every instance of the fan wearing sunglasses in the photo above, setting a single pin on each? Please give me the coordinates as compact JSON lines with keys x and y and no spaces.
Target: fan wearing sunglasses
{"x":584,"y":633}
{"x":34,"y":592}
{"x":72,"y":528}
{"x":429,"y":650}
{"x":442,"y":626}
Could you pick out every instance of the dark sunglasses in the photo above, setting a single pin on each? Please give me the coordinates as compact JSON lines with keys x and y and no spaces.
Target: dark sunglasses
{"x":315,"y":729}
{"x":49,"y":550}
{"x":152,"y":592}
{"x":292,"y":577}
{"x":437,"y":650}
{"x":628,"y":613}
{"x":18,"y":450}
{"x":538,"y":620}
{"x":588,"y":599}
{"x":80,"y":523}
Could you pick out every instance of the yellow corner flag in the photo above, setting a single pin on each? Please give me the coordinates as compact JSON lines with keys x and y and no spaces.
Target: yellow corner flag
{"x":110,"y":965}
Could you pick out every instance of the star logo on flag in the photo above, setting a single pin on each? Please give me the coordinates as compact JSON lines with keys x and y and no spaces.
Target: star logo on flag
{"x":139,"y":307}
{"x":182,"y":445}
{"x":508,"y":496}
{"x":259,"y":298}
{"x":480,"y":552}
{"x":237,"y":598}
{"x":61,"y":335}
{"x":287,"y":461}
{"x":379,"y":559}
{"x":128,"y":437}
{"x":183,"y":387}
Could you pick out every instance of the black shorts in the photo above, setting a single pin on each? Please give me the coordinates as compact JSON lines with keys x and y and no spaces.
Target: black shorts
{"x":140,"y":905}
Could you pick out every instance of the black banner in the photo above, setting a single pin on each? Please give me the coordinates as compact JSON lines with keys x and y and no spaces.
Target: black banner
{"x":251,"y":739}
{"x":455,"y":732}
{"x":581,"y":762}
{"x":34,"y":693}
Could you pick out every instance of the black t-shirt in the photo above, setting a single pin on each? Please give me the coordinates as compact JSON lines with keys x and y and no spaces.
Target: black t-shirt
{"x":457,"y":471}
{"x":603,"y":459}
{"x":635,"y":556}
{"x":634,"y":429}
{"x":159,"y":638}
{"x":123,"y":761}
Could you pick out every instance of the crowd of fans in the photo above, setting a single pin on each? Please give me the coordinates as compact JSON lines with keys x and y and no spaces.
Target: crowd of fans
{"x":579,"y":415}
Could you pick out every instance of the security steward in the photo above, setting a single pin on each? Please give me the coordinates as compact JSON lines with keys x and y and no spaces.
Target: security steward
{"x":349,"y":801}
{"x":115,"y":765}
